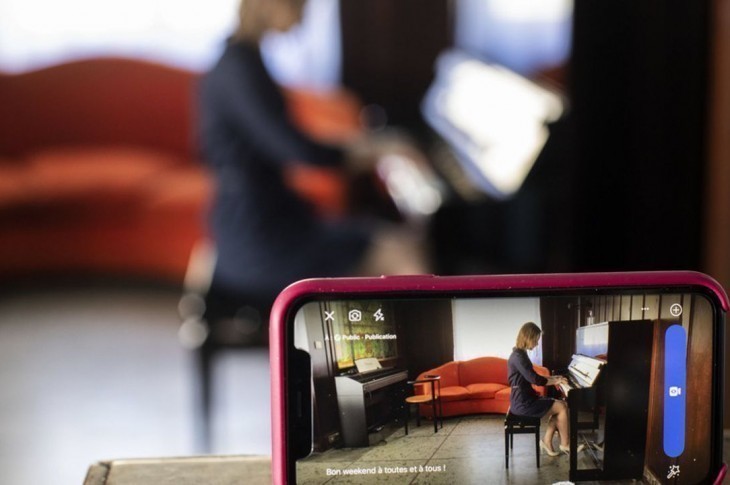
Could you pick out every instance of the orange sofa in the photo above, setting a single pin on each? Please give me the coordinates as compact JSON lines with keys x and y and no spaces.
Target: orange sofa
{"x":474,"y":386}
{"x":100,"y":171}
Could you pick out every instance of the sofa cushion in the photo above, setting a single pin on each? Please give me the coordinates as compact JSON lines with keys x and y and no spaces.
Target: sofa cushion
{"x":188,"y":188}
{"x":484,"y":390}
{"x":483,"y":369}
{"x":503,"y":394}
{"x":13,"y":184}
{"x":454,"y":393}
{"x":69,"y":173}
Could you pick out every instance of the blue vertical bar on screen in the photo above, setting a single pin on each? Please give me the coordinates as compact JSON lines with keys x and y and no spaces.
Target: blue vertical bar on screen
{"x":675,"y":380}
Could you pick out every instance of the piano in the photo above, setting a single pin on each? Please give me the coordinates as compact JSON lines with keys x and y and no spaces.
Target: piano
{"x":368,"y":399}
{"x":583,"y":372}
{"x":618,"y":386}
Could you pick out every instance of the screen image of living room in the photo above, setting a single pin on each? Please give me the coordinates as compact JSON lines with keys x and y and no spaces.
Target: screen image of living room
{"x":429,"y":334}
{"x":478,"y":335}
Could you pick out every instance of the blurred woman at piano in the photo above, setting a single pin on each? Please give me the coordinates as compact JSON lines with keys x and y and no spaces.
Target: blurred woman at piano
{"x":265,"y":233}
{"x":524,"y":401}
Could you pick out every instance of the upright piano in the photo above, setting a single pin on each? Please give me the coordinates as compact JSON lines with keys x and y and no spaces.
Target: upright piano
{"x":614,"y":380}
{"x":367,"y":400}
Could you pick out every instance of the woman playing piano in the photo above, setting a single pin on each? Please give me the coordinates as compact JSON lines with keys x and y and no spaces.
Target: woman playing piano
{"x":266,"y":233}
{"x":524,"y":401}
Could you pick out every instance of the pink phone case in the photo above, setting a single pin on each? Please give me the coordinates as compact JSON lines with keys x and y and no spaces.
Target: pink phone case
{"x":424,"y":284}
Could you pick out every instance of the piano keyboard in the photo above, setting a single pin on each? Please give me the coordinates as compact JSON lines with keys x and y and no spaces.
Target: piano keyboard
{"x":582,"y":373}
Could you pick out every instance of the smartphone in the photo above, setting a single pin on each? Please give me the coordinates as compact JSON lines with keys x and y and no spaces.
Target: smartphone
{"x":426,"y":379}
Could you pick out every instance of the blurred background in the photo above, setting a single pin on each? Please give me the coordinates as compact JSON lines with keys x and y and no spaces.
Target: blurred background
{"x":552,"y":137}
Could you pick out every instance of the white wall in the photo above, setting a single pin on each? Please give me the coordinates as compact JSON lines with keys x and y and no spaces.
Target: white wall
{"x":309,"y":55}
{"x":523,"y":35}
{"x":35,"y":33}
{"x":183,"y":33}
{"x":488,"y":327}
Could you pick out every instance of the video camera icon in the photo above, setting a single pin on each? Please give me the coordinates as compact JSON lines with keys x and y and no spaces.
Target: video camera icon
{"x":675,"y":391}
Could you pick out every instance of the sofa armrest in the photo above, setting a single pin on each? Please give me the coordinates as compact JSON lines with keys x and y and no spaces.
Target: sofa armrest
{"x":545,"y":372}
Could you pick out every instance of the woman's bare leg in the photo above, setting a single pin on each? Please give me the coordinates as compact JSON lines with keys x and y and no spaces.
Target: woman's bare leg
{"x":550,"y":432}
{"x":561,"y":417}
{"x":558,"y":421}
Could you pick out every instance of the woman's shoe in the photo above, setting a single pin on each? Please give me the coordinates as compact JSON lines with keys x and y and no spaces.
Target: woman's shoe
{"x":566,"y":449}
{"x":547,"y":450}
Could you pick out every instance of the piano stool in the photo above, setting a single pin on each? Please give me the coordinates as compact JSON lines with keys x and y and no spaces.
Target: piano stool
{"x":515,"y":424}
{"x":433,"y":398}
{"x":227,"y":320}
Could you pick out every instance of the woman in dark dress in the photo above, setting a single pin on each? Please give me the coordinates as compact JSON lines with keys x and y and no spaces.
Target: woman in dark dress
{"x":266,"y":236}
{"x":524,"y":401}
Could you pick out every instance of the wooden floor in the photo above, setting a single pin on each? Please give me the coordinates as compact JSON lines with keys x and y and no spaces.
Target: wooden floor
{"x":96,"y":374}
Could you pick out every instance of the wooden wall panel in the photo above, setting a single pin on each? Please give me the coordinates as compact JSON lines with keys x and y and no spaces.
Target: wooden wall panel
{"x":699,"y":386}
{"x":717,"y":199}
{"x":389,"y":48}
{"x":652,"y":303}
{"x":559,"y":317}
{"x":427,"y":340}
{"x":717,"y":196}
{"x":637,"y":307}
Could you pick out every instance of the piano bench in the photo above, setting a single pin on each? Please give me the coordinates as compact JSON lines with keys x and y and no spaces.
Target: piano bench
{"x":515,"y":424}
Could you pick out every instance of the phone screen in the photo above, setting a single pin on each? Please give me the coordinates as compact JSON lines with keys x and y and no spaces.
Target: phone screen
{"x":536,"y":388}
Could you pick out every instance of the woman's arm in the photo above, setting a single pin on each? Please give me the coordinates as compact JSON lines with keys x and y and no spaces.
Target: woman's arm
{"x":253,"y":106}
{"x":524,"y":366}
{"x":555,"y":380}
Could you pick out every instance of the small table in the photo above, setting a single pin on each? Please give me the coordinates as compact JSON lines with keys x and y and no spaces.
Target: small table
{"x":214,"y":470}
{"x":434,"y":398}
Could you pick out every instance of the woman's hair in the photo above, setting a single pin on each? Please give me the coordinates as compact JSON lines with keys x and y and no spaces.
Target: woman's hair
{"x":255,"y":17}
{"x":529,"y":334}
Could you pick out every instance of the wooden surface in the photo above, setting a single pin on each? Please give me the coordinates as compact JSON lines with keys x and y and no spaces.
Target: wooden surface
{"x":209,"y":470}
{"x":717,"y":195}
{"x":717,"y":198}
